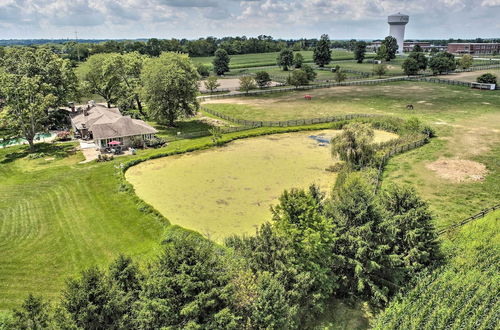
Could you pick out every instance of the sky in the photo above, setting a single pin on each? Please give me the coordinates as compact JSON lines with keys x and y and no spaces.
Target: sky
{"x":192,"y":19}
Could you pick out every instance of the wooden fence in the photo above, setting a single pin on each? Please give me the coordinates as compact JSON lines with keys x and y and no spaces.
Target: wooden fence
{"x":476,"y":216}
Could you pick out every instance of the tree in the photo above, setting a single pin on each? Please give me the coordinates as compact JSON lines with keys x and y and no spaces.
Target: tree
{"x":93,"y":302}
{"x":188,"y":287}
{"x":420,"y":58}
{"x":417,"y":49}
{"x":309,"y":70}
{"x":221,"y":62}
{"x":262,"y":79}
{"x":487,"y":78}
{"x":360,"y":51}
{"x":130,"y":67}
{"x":298,"y":78}
{"x":101,"y":74}
{"x":354,"y":145}
{"x":211,"y":83}
{"x":409,"y":221}
{"x":442,"y":62}
{"x":285,"y":59}
{"x":32,"y":81}
{"x":380,"y":69}
{"x":367,"y":266}
{"x":465,"y":61}
{"x":247,"y":83}
{"x":392,"y":47}
{"x":410,"y":66}
{"x":203,"y":70}
{"x":382,"y":52}
{"x":34,"y":314}
{"x":434,"y":51}
{"x":298,"y":60}
{"x":340,"y":76}
{"x":322,"y":54}
{"x":170,"y":87}
{"x":27,"y":101}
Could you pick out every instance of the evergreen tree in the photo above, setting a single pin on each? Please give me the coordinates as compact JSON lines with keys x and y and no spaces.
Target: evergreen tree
{"x":366,"y":266}
{"x":322,"y":54}
{"x":33,"y":314}
{"x":409,"y":221}
{"x":221,"y":62}
{"x":360,"y":51}
{"x":188,"y":287}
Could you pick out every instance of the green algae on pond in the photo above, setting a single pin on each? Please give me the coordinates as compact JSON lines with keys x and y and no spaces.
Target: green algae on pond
{"x":229,"y":190}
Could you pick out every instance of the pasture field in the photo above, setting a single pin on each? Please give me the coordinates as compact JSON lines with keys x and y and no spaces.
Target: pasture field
{"x":464,"y":293}
{"x":458,"y":172}
{"x":229,"y":190}
{"x":393,"y":67}
{"x":471,"y":76}
{"x":267,"y":59}
{"x":275,"y":71}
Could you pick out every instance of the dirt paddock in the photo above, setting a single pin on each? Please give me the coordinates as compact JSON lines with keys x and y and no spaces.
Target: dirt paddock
{"x":228,"y":83}
{"x":458,"y":170}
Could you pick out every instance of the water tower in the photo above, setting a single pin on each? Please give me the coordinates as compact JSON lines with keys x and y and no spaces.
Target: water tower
{"x":398,"y":22}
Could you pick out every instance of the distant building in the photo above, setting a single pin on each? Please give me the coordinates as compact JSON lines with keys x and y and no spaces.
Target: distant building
{"x":103,"y":125}
{"x":473,"y":48}
{"x":408,"y":46}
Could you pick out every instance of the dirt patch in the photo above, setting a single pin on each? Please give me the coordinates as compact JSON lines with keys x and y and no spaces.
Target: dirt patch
{"x":212,"y":121}
{"x":458,"y":170}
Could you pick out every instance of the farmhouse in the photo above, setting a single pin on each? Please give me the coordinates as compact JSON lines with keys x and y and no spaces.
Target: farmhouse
{"x":102,"y":125}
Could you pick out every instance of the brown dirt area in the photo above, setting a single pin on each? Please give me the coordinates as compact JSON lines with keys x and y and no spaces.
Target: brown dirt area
{"x":231,"y":83}
{"x":458,"y":170}
{"x":469,"y":76}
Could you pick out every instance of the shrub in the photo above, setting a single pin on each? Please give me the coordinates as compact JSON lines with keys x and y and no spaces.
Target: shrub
{"x":104,"y":158}
{"x":137,"y":142}
{"x":155,"y":142}
{"x":487,"y":78}
{"x":262,"y":79}
{"x":63,"y":136}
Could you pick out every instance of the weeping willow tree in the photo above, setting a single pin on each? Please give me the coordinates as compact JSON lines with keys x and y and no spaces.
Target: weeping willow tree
{"x":354,"y":145}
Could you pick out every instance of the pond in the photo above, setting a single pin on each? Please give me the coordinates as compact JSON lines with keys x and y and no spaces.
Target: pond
{"x":229,"y":190}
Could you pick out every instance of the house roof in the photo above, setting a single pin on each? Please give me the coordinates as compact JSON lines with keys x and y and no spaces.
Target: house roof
{"x":107,"y":123}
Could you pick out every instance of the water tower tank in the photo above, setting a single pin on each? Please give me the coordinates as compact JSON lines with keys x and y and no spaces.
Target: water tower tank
{"x":397,"y":23}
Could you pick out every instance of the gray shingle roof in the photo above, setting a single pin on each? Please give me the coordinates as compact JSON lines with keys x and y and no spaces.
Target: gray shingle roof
{"x":107,"y":123}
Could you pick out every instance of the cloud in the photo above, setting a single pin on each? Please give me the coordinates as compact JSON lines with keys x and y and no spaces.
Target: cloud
{"x":281,"y":18}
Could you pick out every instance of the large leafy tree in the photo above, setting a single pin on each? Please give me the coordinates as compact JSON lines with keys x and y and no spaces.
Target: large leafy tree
{"x":285,"y":59}
{"x":221,"y":62}
{"x":263,"y":79}
{"x":32,"y":81}
{"x":410,"y":66}
{"x":170,"y":87}
{"x":442,"y":62}
{"x":391,"y":45}
{"x":420,"y":58}
{"x":102,"y":74}
{"x":130,"y":67}
{"x":360,"y":51}
{"x":322,"y":54}
{"x":354,"y":145}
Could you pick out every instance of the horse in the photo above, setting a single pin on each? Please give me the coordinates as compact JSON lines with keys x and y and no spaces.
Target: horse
{"x":409,"y":107}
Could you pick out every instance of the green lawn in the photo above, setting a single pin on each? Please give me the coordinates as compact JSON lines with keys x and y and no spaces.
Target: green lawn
{"x":467,"y":122}
{"x":393,"y":66}
{"x":266,"y":59}
{"x":58,"y":217}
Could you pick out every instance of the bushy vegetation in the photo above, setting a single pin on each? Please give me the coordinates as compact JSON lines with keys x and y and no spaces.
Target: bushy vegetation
{"x":463,"y":294}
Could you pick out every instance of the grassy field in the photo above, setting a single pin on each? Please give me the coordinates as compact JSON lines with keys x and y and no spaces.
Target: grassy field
{"x":58,"y":217}
{"x":266,"y":59}
{"x":464,"y":294}
{"x":393,"y":66}
{"x":467,"y":123}
{"x":275,"y":71}
{"x":229,"y":190}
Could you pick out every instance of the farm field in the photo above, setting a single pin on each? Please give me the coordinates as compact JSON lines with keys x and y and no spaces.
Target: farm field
{"x":458,"y":172}
{"x":266,"y":59}
{"x":463,"y":294}
{"x":229,"y":190}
